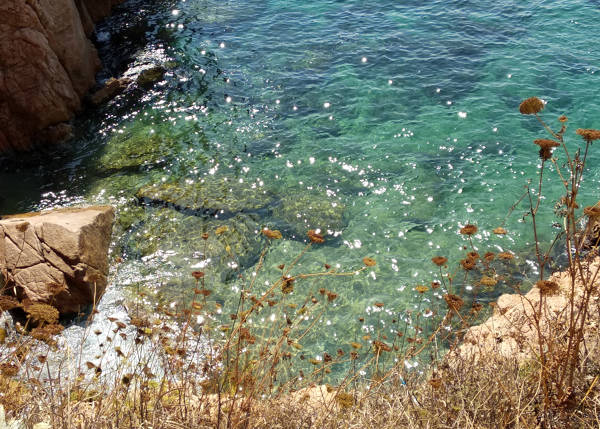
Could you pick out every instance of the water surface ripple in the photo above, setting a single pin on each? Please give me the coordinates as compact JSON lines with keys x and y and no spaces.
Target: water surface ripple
{"x":389,"y":124}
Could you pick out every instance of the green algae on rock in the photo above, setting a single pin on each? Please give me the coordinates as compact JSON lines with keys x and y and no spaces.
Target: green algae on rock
{"x":149,"y":77}
{"x":305,"y":211}
{"x":207,"y":196}
{"x":135,"y":148}
{"x":239,"y":244}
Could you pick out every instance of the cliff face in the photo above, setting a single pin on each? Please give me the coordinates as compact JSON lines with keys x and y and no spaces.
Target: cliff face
{"x":47,"y":64}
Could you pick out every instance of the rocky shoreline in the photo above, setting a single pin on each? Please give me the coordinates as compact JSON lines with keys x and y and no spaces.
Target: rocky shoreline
{"x":48,"y":64}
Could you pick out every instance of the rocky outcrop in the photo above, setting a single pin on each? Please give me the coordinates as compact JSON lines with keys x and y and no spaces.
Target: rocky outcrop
{"x":57,"y":257}
{"x":47,"y":64}
{"x":112,"y":87}
{"x":511,"y":331}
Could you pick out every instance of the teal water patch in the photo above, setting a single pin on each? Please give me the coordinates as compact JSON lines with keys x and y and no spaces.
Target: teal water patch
{"x":388,"y":126}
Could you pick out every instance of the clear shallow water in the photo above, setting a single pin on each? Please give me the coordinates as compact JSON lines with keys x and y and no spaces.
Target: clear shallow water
{"x":394,"y":123}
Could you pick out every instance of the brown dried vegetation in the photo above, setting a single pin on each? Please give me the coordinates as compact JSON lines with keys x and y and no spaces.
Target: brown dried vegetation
{"x":214,"y":367}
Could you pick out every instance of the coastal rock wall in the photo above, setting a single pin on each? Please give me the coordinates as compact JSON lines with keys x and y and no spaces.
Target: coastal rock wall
{"x":47,"y":64}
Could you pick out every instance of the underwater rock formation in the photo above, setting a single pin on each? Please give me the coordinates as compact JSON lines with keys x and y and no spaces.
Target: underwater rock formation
{"x":207,"y":197}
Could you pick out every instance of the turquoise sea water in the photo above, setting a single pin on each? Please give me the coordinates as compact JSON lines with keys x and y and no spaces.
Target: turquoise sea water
{"x":390,"y":124}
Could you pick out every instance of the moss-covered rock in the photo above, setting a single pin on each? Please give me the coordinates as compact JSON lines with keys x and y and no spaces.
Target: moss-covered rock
{"x":305,"y":211}
{"x":227,"y":244}
{"x":147,"y":78}
{"x":207,"y":197}
{"x":137,"y":147}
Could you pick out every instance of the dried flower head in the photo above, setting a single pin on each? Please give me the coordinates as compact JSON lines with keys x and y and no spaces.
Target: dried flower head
{"x":205,"y":236}
{"x":468,"y":264}
{"x":54,"y":329}
{"x":476,"y":307}
{"x":344,"y":400}
{"x":488,"y":281}
{"x":468,"y":229}
{"x":331,"y":296}
{"x":22,"y":226}
{"x":9,"y":369}
{"x":379,"y":346}
{"x":454,"y":302}
{"x":369,"y":262}
{"x":315,"y":237}
{"x":499,"y":231}
{"x":221,"y":230}
{"x":272,"y":234}
{"x":379,"y":304}
{"x":287,"y":285}
{"x":506,"y":256}
{"x":42,"y":313}
{"x":473,"y":255}
{"x":197,"y":274}
{"x":546,"y":147}
{"x":547,"y":287}
{"x":435,"y":284}
{"x":531,"y":106}
{"x":41,"y":334}
{"x":546,"y":143}
{"x":592,"y":211}
{"x":421,"y":288}
{"x":562,"y":118}
{"x":435,"y":382}
{"x":588,"y":135}
{"x":489,"y":256}
{"x":439,"y":260}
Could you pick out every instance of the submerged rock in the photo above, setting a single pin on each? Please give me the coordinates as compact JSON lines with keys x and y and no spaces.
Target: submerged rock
{"x":305,"y":211}
{"x":57,"y":257}
{"x":149,"y":77}
{"x":208,"y":197}
{"x":222,"y":244}
{"x":137,"y":147}
{"x":111,"y":89}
